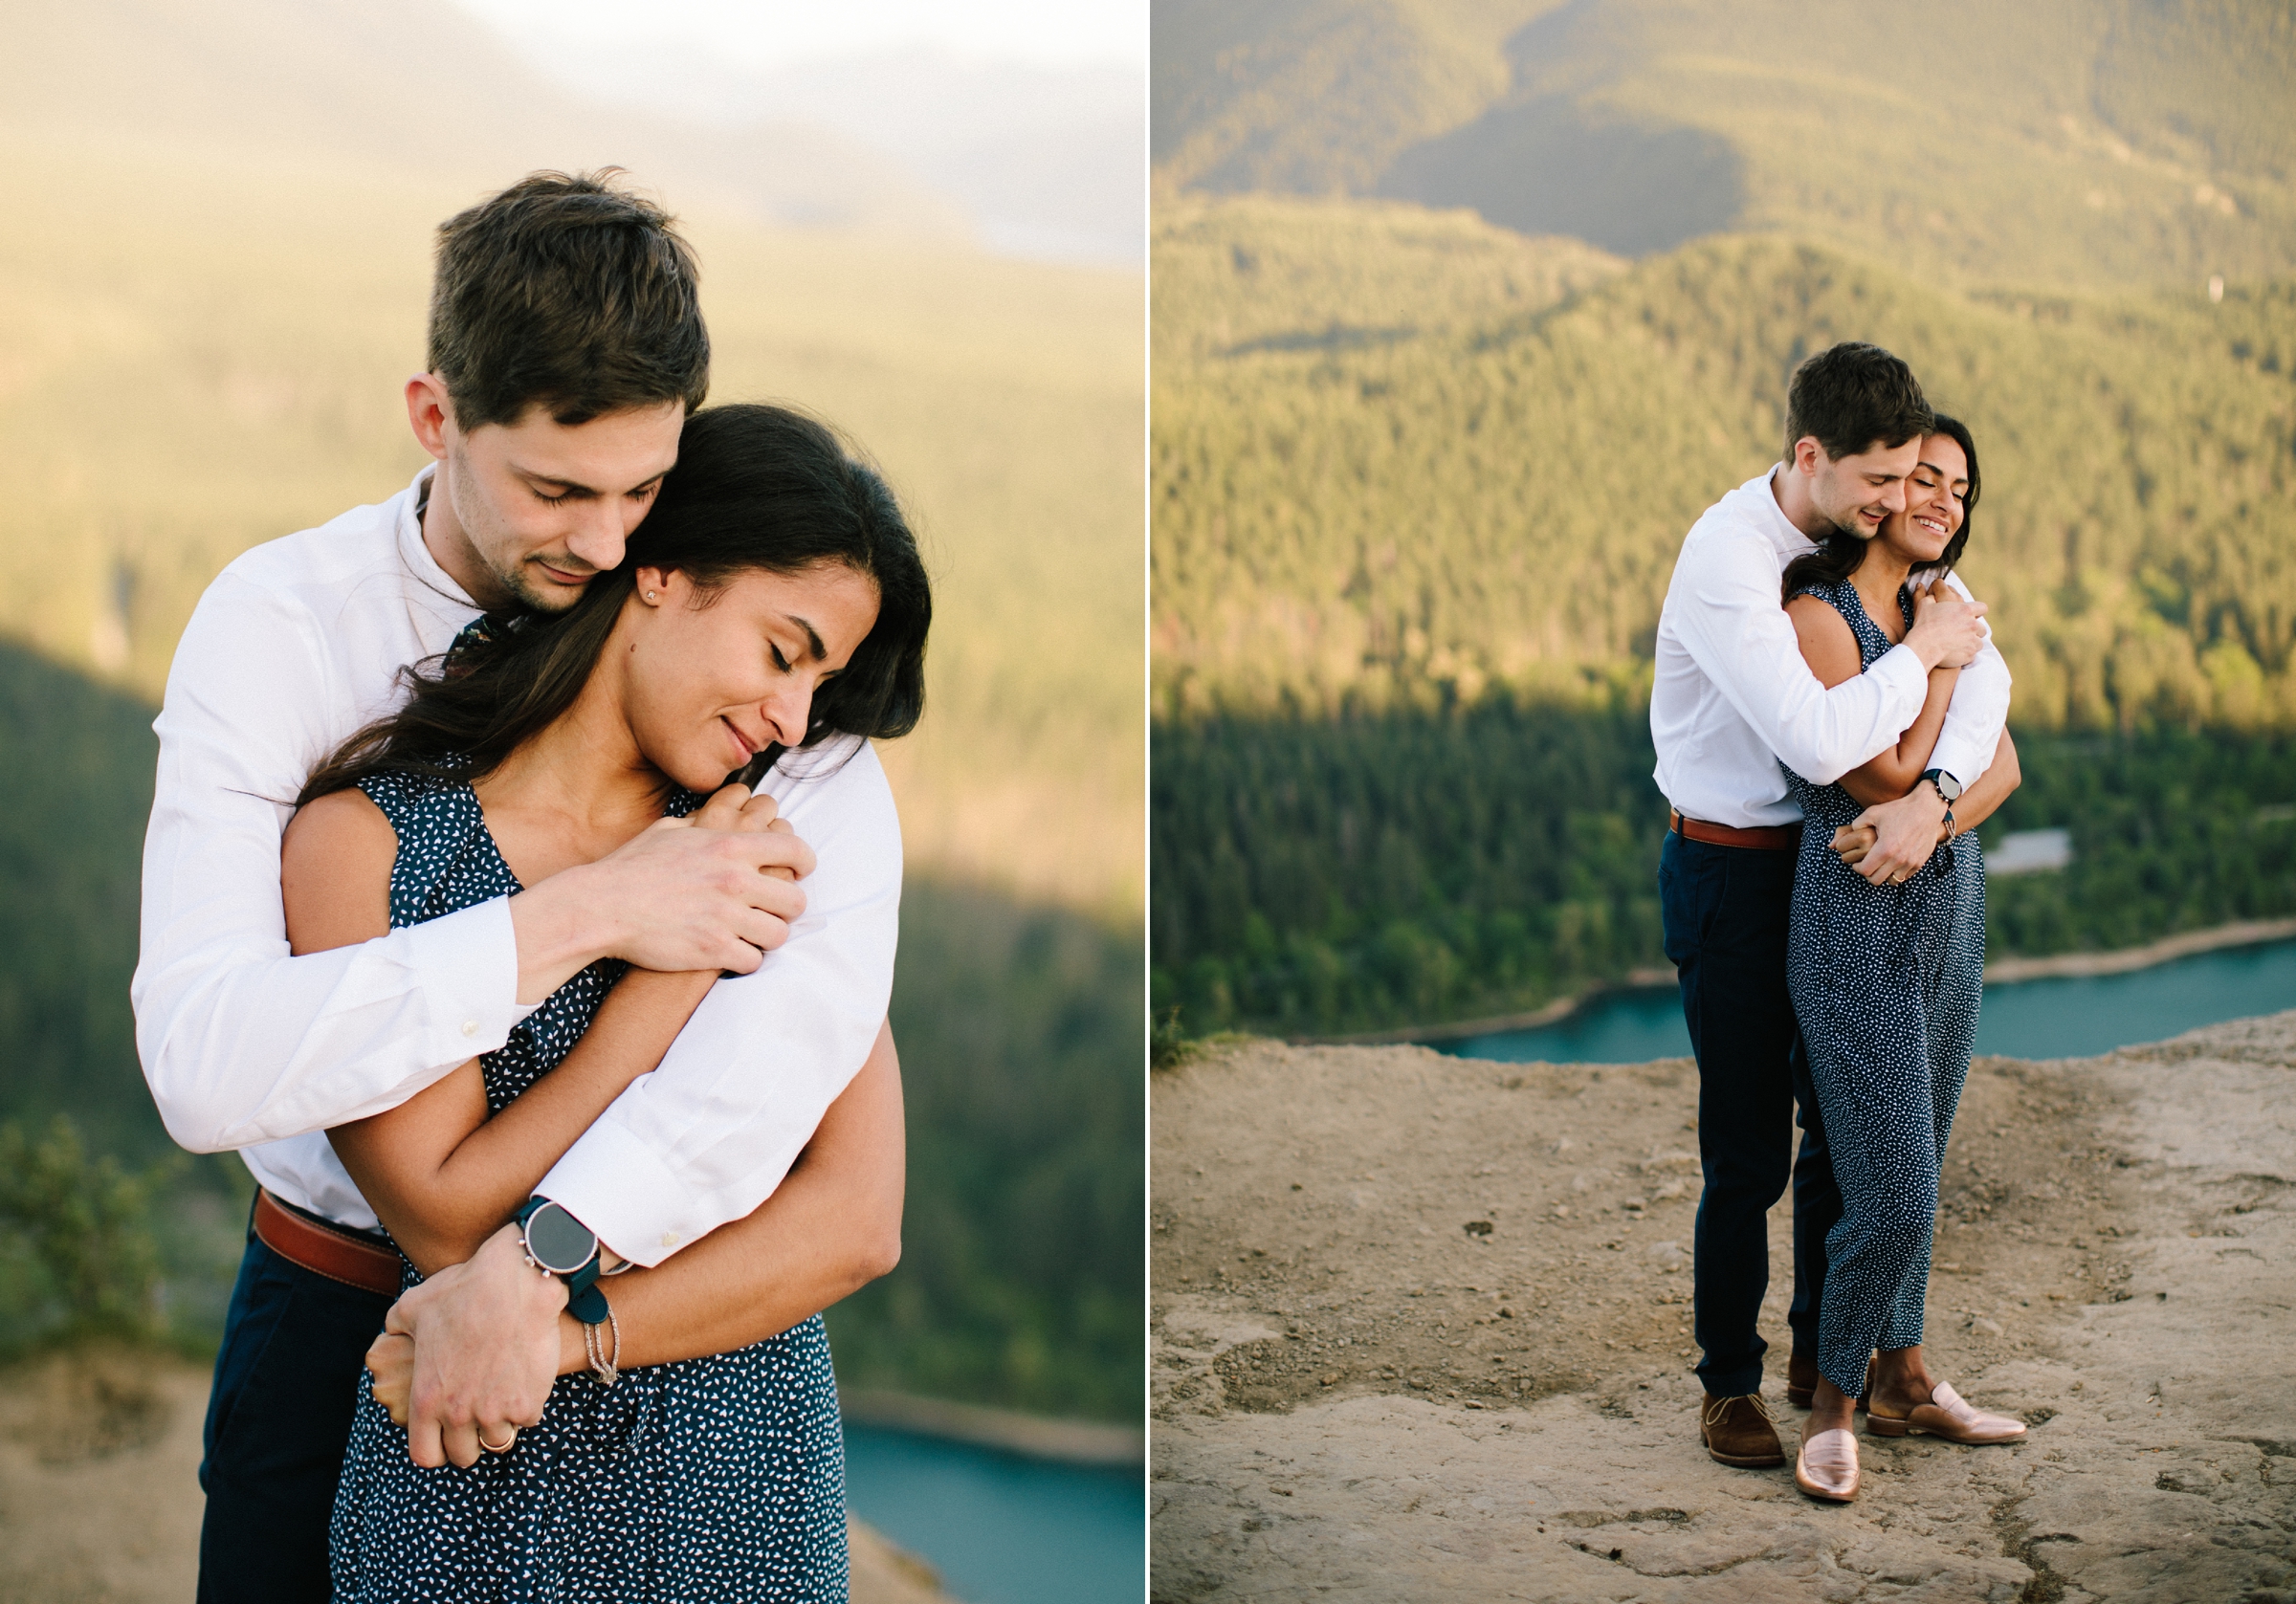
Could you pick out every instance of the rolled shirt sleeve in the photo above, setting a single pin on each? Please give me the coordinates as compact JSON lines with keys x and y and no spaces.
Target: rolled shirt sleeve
{"x":707,"y":1136}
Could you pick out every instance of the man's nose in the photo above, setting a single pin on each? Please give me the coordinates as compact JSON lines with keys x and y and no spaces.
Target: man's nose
{"x":600,"y":534}
{"x":1893,"y":496}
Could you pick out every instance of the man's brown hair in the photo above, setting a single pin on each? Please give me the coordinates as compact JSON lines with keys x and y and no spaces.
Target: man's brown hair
{"x":1851,"y":395}
{"x":567,"y":292}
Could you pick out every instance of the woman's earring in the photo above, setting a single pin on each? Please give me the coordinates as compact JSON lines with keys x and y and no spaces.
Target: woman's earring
{"x":650,"y":595}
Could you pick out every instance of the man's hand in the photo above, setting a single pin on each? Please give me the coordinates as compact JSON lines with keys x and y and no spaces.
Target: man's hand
{"x":1904,"y":833}
{"x":486,"y":1346}
{"x":1948,"y":632}
{"x":716,"y":890}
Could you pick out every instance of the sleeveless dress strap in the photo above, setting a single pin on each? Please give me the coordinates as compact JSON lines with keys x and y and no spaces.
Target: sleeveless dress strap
{"x":438,"y":819}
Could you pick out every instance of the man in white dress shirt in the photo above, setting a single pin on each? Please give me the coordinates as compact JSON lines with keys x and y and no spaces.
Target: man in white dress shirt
{"x":567,"y":347}
{"x":1731,"y":699}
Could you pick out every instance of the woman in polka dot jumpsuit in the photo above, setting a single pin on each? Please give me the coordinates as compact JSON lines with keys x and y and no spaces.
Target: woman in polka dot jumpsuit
{"x":774,"y":596}
{"x":1886,"y":981}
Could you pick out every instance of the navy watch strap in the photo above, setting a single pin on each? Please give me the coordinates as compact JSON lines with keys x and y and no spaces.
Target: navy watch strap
{"x":584,"y":1301}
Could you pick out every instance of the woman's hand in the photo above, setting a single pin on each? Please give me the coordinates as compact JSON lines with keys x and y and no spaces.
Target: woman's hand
{"x":1947,"y":626}
{"x":391,"y":1361}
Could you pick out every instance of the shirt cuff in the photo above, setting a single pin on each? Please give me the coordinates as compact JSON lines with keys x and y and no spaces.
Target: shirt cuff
{"x":620,"y":1188}
{"x":1961,"y":762}
{"x":1902,"y":672}
{"x":468,"y":963}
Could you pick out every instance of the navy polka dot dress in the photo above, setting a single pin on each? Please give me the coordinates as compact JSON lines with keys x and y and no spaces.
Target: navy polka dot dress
{"x":1886,"y":981}
{"x":717,"y":1479}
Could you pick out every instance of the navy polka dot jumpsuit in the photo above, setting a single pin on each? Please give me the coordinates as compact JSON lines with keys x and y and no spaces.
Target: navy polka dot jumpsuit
{"x":1886,"y":981}
{"x":715,"y":1479}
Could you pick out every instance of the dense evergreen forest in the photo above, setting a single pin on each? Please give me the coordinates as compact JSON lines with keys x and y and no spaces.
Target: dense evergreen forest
{"x":1382,"y":501}
{"x":1382,"y":869}
{"x":1019,"y":1029}
{"x":1419,"y":483}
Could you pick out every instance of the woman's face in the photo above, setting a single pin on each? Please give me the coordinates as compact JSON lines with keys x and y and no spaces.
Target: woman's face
{"x":1934,"y":493}
{"x":710,"y":678}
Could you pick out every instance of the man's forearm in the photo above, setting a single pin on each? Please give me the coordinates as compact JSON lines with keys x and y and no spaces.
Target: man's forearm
{"x":831,"y":1228}
{"x":1981,"y":800}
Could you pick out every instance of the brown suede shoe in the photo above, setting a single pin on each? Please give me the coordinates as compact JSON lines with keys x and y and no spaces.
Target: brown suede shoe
{"x":1738,"y":1431}
{"x":1801,"y":1378}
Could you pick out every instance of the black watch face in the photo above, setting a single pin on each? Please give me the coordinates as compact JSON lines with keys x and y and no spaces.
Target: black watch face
{"x":559,"y":1241}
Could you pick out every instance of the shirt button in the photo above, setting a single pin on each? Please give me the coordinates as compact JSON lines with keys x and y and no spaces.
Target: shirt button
{"x":669,"y":1239}
{"x":470,"y":1027}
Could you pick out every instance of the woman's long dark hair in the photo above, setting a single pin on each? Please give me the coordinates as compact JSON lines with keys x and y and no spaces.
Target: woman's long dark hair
{"x":754,"y":487}
{"x":1839,"y":557}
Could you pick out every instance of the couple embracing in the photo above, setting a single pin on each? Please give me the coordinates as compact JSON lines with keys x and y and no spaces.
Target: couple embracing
{"x":560,"y":1057}
{"x":1830,"y":716}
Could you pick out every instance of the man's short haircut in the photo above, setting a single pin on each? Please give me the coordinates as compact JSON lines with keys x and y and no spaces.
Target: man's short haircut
{"x":568,"y":292}
{"x":1851,"y":395}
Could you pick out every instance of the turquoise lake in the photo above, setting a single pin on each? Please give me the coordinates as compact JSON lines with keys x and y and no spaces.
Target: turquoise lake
{"x":2026,"y":1019}
{"x":999,"y":1528}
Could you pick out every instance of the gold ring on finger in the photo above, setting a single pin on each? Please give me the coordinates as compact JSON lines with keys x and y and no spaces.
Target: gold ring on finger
{"x":502,"y":1447}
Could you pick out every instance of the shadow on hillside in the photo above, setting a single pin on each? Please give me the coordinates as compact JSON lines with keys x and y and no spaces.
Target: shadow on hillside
{"x":1543,"y":165}
{"x":1021,"y":1028}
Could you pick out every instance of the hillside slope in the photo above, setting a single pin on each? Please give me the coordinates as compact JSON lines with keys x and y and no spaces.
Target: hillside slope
{"x":196,"y":356}
{"x":2059,"y":142}
{"x":1358,"y":500}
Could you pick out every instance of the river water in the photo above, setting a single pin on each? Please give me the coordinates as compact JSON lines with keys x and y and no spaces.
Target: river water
{"x":2025,"y":1018}
{"x":999,"y":1528}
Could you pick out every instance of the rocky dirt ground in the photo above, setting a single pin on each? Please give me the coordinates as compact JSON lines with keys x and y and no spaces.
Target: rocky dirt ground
{"x":1421,"y":1330}
{"x":99,"y":1500}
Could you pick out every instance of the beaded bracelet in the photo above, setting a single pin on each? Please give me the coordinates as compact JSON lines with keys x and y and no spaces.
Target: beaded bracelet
{"x":608,"y":1370}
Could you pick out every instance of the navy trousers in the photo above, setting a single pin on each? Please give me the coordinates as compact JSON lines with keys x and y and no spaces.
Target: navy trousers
{"x":279,"y":1419}
{"x":1726,"y":911}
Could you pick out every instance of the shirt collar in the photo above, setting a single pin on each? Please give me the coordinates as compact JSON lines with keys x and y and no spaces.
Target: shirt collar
{"x":1772,"y":519}
{"x":414,"y":553}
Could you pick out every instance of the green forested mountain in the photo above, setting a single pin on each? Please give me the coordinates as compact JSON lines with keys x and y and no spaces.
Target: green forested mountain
{"x":1420,"y":468}
{"x":1465,"y":309}
{"x":1020,"y":1034}
{"x":2051,"y":142}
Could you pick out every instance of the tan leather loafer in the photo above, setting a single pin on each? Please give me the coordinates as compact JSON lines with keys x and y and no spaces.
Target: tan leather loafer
{"x":1738,"y":1432}
{"x":1947,"y":1414}
{"x":1827,"y":1467}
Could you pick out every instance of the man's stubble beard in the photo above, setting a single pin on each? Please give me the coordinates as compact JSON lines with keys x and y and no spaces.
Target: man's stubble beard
{"x":517,"y":581}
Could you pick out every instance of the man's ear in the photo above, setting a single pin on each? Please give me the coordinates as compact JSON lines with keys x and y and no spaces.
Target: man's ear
{"x":1806,"y":451}
{"x":429,"y":412}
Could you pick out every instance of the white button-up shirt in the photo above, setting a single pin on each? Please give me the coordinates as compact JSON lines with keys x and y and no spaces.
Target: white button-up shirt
{"x":295,"y":647}
{"x":1732,"y":697}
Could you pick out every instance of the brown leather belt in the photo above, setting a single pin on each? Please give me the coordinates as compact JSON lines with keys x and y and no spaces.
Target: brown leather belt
{"x":335,"y":1252}
{"x":1769,"y":838}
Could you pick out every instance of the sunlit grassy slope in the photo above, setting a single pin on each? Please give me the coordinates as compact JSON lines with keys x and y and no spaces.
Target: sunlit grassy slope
{"x":2050,"y":143}
{"x":197,"y":357}
{"x":1394,"y":458}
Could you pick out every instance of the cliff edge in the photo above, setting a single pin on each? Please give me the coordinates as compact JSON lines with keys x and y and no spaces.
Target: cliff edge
{"x":1421,"y":1329}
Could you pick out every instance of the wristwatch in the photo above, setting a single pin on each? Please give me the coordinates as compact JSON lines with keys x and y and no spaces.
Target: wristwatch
{"x":1947,"y":785}
{"x":561,"y":1245}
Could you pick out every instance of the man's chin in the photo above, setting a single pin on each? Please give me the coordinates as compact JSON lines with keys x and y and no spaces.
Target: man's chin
{"x":546,"y":596}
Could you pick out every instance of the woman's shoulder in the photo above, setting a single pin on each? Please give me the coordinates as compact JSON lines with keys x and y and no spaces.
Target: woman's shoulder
{"x":1829,"y":643}
{"x":335,"y":867}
